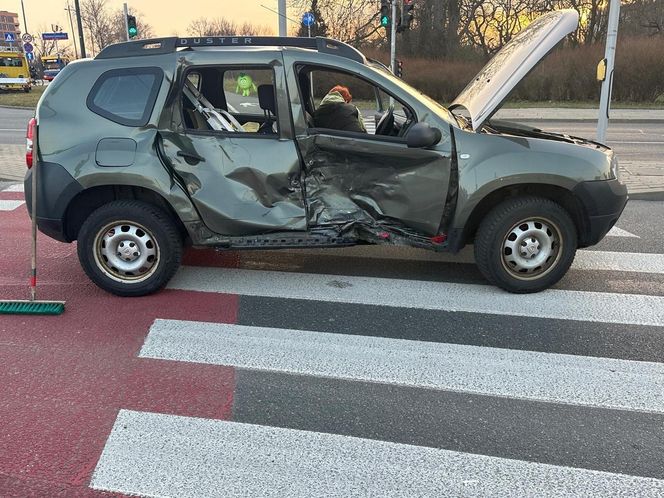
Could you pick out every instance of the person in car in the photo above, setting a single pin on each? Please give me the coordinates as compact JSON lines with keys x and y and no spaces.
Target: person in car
{"x":337,"y":112}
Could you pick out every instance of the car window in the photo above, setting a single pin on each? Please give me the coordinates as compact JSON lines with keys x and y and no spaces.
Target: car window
{"x":370,"y":100}
{"x":231,"y":100}
{"x":11,"y":62}
{"x":126,"y":96}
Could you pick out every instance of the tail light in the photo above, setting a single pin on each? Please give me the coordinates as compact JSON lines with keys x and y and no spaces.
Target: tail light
{"x":29,"y":136}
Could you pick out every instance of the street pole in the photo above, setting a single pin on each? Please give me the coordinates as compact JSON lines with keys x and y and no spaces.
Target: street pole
{"x":610,"y":56}
{"x":25,"y":23}
{"x":71,"y":25}
{"x":79,"y":24}
{"x":283,"y":30}
{"x":393,"y":37}
{"x":126,"y":13}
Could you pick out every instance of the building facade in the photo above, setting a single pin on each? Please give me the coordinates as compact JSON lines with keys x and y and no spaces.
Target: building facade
{"x":9,"y":24}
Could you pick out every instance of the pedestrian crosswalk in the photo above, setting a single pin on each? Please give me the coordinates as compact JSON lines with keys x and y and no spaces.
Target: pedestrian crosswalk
{"x":387,"y":371}
{"x":581,"y":372}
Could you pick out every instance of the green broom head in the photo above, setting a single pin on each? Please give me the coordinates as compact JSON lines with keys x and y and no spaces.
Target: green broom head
{"x":31,"y":307}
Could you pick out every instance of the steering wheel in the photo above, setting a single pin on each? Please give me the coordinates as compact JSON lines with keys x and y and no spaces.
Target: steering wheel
{"x":386,"y":123}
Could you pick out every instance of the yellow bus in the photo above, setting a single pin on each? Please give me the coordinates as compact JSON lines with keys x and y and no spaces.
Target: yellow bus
{"x":14,"y":71}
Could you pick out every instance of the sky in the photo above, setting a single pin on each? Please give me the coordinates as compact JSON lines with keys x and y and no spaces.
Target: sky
{"x":167,"y":17}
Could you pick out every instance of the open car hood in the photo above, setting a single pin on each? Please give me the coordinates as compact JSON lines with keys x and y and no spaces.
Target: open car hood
{"x":485,"y":93}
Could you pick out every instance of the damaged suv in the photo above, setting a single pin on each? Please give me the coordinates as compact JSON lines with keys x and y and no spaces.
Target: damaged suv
{"x":157,"y":144}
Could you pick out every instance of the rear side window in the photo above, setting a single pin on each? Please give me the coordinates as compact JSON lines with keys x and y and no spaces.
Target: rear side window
{"x":126,"y":96}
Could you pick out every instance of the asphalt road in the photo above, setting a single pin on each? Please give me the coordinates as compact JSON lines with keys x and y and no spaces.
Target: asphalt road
{"x":352,"y":372}
{"x":13,"y":124}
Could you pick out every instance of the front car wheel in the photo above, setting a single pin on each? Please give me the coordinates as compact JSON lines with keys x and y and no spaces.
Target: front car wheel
{"x":525,"y":244}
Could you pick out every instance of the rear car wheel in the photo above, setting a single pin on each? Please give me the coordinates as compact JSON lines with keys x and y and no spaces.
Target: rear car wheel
{"x":129,"y":248}
{"x":525,"y":244}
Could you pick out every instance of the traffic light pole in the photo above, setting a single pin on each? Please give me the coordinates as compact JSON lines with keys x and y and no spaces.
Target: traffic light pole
{"x":393,"y":37}
{"x":607,"y":83}
{"x":126,"y":20}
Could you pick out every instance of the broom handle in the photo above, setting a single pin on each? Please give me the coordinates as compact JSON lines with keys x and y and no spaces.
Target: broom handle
{"x":35,"y":168}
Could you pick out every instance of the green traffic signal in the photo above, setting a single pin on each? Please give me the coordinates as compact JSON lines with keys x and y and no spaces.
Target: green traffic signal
{"x":132,"y":30}
{"x":384,"y":21}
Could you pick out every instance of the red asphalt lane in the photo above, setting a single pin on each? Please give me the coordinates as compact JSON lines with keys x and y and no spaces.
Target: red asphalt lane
{"x":64,"y":378}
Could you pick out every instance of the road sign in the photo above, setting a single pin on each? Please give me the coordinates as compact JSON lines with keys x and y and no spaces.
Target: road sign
{"x":9,"y":37}
{"x":27,"y":48}
{"x":27,"y":37}
{"x":30,"y":56}
{"x":54,"y":36}
{"x":308,"y":19}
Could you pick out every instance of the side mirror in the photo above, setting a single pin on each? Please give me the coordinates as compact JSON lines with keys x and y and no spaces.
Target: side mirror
{"x":421,"y":135}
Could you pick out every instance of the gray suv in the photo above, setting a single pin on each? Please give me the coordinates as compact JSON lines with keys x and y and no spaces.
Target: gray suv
{"x":215,"y":141}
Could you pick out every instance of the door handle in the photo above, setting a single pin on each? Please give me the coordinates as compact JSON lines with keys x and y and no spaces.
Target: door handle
{"x":191,"y":155}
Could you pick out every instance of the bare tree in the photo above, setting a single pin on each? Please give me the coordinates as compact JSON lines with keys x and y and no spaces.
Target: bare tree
{"x":221,"y":26}
{"x":98,"y":22}
{"x":351,"y":21}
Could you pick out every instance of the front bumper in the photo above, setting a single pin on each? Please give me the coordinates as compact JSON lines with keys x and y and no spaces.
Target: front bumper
{"x":604,"y":202}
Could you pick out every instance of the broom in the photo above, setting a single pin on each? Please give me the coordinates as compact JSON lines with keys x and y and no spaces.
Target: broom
{"x":32,"y":306}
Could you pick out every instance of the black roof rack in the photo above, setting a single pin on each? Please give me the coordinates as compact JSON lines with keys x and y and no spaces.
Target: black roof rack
{"x":160,"y":46}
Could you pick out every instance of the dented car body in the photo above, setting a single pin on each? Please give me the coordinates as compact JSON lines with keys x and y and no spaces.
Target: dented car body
{"x":213,"y":167}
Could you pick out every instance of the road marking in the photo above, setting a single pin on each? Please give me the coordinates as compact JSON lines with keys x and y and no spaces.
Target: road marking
{"x":553,"y":303}
{"x":155,"y":454}
{"x":10,"y":205}
{"x":17,"y":187}
{"x":579,"y":380}
{"x":619,"y":232}
{"x":12,"y":129}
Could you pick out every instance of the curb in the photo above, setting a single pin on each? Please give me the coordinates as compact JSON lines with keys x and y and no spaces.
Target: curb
{"x":646,"y":196}
{"x":17,"y":107}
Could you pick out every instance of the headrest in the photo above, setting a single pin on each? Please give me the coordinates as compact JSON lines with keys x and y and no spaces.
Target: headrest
{"x":266,"y":98}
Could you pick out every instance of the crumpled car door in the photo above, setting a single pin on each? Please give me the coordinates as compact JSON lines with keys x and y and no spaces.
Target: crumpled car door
{"x":374,"y":183}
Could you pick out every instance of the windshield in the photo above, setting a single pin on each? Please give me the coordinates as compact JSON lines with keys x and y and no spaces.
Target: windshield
{"x":440,"y":111}
{"x":52,"y":65}
{"x":11,"y":62}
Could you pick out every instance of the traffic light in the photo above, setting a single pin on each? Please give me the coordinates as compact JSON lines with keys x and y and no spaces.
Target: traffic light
{"x":399,"y":69}
{"x":132,"y":30}
{"x":407,"y":20}
{"x":385,"y":13}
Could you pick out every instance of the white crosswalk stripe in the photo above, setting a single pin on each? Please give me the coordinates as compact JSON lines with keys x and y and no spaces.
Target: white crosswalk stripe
{"x":572,"y":305}
{"x":619,"y":232}
{"x":17,"y":187}
{"x":198,"y":457}
{"x":10,"y":205}
{"x":581,"y":380}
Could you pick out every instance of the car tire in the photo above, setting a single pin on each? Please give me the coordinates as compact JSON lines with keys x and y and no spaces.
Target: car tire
{"x":129,"y":248}
{"x":525,"y":244}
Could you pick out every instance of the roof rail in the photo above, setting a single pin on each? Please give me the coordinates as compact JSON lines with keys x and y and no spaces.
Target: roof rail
{"x":160,"y":46}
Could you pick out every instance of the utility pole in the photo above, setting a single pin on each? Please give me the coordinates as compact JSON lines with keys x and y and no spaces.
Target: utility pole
{"x":79,"y":24}
{"x":25,"y":23}
{"x":71,"y":25}
{"x":608,"y":62}
{"x":126,"y":22}
{"x":283,"y":30}
{"x":393,"y":37}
